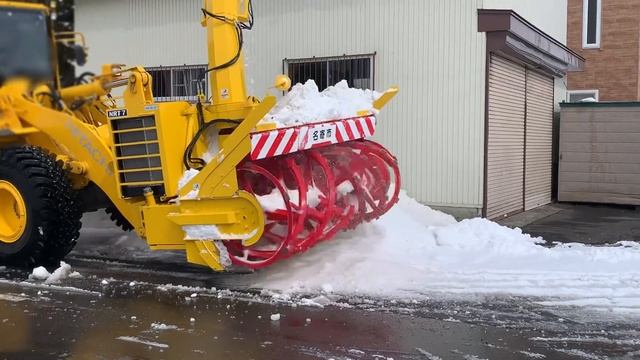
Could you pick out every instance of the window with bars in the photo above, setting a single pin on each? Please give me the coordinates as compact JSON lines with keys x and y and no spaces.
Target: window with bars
{"x":179,"y":83}
{"x":358,"y":70}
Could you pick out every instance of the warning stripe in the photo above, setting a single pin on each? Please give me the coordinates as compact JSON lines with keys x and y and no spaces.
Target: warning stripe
{"x":289,"y":140}
{"x":341,"y":134}
{"x":276,"y":144}
{"x":262,"y":140}
{"x":350,"y":134}
{"x":293,"y":141}
{"x":359,"y":127}
{"x":370,"y":126}
{"x":271,"y":137}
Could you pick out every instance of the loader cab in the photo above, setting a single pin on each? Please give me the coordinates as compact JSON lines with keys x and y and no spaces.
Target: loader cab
{"x":26,"y":49}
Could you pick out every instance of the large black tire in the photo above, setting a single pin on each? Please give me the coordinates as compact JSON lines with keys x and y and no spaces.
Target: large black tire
{"x":116,"y":216}
{"x":52,"y":210}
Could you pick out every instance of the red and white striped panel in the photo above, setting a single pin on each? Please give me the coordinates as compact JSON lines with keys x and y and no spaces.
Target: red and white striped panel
{"x":273,"y":143}
{"x":358,"y":128}
{"x":303,"y":137}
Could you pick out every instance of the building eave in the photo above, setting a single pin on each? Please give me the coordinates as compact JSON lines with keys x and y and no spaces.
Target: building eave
{"x":514,"y":37}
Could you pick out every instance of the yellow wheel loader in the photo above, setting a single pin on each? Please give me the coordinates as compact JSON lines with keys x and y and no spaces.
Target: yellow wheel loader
{"x":213,"y":178}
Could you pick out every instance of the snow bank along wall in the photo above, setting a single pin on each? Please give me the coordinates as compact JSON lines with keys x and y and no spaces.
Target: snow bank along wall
{"x":432,"y":49}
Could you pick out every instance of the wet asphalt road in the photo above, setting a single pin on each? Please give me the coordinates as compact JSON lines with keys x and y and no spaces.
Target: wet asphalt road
{"x":589,"y":224}
{"x":109,"y":314}
{"x":120,"y":327}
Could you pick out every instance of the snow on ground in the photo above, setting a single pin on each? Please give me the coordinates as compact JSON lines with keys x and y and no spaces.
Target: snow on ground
{"x":306,"y":104}
{"x":40,"y":273}
{"x":162,"y":327}
{"x":138,"y":340}
{"x":61,"y":273}
{"x":416,"y":252}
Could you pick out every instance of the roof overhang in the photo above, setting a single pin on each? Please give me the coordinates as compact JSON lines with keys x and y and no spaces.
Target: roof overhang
{"x":512,"y":36}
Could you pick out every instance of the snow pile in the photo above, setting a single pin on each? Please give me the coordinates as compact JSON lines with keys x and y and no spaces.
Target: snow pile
{"x":40,"y":273}
{"x":61,"y":273}
{"x":274,"y":201}
{"x":213,"y":152}
{"x":306,"y":104}
{"x":186,"y":177}
{"x":415,"y":252}
{"x":162,"y":327}
{"x":201,"y":232}
{"x":208,"y":232}
{"x":213,"y":148}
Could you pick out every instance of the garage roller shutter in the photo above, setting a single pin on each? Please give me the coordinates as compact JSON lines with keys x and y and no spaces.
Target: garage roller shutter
{"x":539,"y":140}
{"x":505,"y":138}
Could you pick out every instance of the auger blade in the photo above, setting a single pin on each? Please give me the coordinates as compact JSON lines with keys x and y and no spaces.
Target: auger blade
{"x":310,"y":196}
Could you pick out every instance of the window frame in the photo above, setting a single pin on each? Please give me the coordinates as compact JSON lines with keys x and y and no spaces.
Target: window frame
{"x":594,"y":92}
{"x":171,"y":70}
{"x":370,"y":56}
{"x":585,"y":24}
{"x":46,"y":72}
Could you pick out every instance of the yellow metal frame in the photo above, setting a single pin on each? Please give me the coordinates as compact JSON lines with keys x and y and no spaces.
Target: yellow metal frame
{"x":84,"y":140}
{"x":23,"y":5}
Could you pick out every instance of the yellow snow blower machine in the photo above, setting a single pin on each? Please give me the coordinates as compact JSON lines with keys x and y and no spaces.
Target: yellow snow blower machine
{"x":214,"y":178}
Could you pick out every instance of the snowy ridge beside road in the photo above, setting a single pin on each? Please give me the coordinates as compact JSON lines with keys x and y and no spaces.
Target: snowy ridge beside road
{"x":416,"y":252}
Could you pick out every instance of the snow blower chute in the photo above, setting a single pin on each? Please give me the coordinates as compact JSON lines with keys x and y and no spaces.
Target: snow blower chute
{"x":230,"y":179}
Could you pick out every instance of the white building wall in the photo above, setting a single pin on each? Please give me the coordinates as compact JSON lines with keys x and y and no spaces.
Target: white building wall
{"x":142,"y":32}
{"x":548,"y":15}
{"x":431,"y":49}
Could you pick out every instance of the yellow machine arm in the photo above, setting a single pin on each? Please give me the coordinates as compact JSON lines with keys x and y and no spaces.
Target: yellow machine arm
{"x":144,"y":161}
{"x":225,"y":20}
{"x":97,"y":140}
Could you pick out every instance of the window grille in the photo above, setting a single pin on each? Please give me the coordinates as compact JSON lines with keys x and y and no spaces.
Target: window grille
{"x":179,"y":83}
{"x":358,"y":70}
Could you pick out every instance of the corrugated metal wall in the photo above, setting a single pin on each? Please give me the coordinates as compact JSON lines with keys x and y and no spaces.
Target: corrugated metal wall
{"x":600,"y":153}
{"x":145,"y":32}
{"x":431,"y":49}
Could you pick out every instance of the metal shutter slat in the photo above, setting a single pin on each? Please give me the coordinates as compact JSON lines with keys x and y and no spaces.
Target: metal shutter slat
{"x":539,"y":135}
{"x":505,"y":153}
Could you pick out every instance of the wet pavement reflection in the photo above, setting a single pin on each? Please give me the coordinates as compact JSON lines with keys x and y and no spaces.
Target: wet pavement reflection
{"x":57,"y":324}
{"x":130,"y":304}
{"x":142,"y":321}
